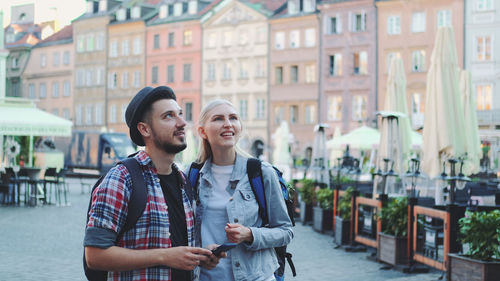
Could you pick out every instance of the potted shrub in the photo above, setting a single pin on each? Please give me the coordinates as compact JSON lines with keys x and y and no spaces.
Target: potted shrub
{"x":343,"y":219}
{"x":323,"y":214}
{"x":393,"y":240}
{"x":481,"y":233}
{"x":306,"y":191}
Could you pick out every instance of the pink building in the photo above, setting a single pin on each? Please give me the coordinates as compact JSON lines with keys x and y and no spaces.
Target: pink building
{"x":48,"y":77}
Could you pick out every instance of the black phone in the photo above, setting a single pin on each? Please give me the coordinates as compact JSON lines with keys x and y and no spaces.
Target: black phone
{"x":223,"y":248}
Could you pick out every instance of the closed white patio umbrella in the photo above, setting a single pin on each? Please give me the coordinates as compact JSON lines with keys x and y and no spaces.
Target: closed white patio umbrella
{"x":473,"y":144}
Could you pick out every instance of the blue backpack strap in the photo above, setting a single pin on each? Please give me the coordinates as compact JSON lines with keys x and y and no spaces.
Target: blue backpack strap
{"x":194,"y":173}
{"x":254,"y":170}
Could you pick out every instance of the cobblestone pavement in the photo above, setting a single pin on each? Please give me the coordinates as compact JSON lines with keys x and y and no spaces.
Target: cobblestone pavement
{"x":44,"y":243}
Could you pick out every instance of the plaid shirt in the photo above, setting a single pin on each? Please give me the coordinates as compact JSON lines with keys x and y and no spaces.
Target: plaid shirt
{"x":109,"y":211}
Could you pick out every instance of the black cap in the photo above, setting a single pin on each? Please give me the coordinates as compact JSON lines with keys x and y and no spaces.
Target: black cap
{"x":137,"y":106}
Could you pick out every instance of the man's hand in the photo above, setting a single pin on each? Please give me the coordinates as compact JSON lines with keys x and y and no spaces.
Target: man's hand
{"x":185,"y":258}
{"x":237,"y":233}
{"x":213,"y":260}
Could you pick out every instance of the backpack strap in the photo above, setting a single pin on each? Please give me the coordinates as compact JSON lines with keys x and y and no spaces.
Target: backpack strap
{"x":138,"y":196}
{"x":254,"y":170}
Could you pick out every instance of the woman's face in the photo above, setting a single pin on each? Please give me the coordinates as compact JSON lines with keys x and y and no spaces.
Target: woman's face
{"x":222,"y":128}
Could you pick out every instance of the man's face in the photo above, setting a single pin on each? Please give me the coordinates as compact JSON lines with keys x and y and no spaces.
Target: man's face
{"x":167,"y":126}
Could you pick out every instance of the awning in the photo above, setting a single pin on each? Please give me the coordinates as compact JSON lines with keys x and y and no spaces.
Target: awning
{"x":26,"y":120}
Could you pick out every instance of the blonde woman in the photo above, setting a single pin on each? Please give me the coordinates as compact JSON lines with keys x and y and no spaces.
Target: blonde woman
{"x":227,"y":210}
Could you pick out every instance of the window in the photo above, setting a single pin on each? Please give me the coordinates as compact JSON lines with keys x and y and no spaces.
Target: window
{"x":483,"y":48}
{"x":187,"y":72}
{"x":310,"y":37}
{"x":112,"y":113}
{"x":279,"y":40}
{"x":188,"y":111}
{"x":43,"y":60}
{"x":88,"y":77}
{"x":361,"y":63}
{"x":99,"y":43}
{"x":156,"y":41}
{"x":416,"y":103}
{"x":66,"y":114}
{"x":193,"y":7}
{"x":310,"y":114}
{"x":137,"y":79}
{"x":15,"y":62}
{"x":78,"y":114}
{"x":136,"y":12}
{"x":292,"y":8}
{"x":334,"y":108}
{"x":335,"y":65}
{"x":359,"y":22}
{"x":243,"y":38}
{"x":243,"y":69}
{"x":188,"y":37}
{"x":310,"y":73}
{"x":112,"y":80}
{"x":171,"y":39}
{"x":226,"y":71}
{"x":211,"y":71}
{"x":177,"y":9}
{"x":418,"y":22}
{"x":99,"y":120}
{"x":99,"y":76}
{"x":294,"y":39}
{"x":359,"y":107}
{"x":80,"y":77}
{"x":308,"y":6}
{"x":444,"y":18}
{"x":125,"y":80}
{"x":418,"y":61}
{"x":484,"y":5}
{"x":484,"y":97}
{"x":137,"y":46}
{"x":261,"y":109}
{"x":31,"y":91}
{"x":90,"y":42}
{"x":334,"y":25}
{"x":163,"y":11}
{"x":80,"y":44}
{"x":212,"y":43}
{"x":66,"y":88}
{"x":55,"y":59}
{"x":66,"y":57}
{"x":170,"y":73}
{"x":393,"y":25}
{"x":294,"y":114}
{"x":279,"y":113}
{"x":294,"y":74}
{"x":227,"y":38}
{"x":121,"y":15}
{"x":55,"y":89}
{"x":113,"y":49}
{"x":279,"y":75}
{"x":260,"y":67}
{"x":244,"y":109}
{"x":154,"y":74}
{"x":125,"y":48}
{"x":43,"y":90}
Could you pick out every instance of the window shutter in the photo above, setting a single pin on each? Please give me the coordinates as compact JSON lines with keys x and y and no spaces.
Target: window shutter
{"x":363,"y":21}
{"x":326,"y":25}
{"x":339,"y":24}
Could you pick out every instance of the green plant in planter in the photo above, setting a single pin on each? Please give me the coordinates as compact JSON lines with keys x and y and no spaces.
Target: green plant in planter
{"x":481,"y":230}
{"x":325,"y":198}
{"x":306,"y":190}
{"x":394,"y":217}
{"x":345,"y":201}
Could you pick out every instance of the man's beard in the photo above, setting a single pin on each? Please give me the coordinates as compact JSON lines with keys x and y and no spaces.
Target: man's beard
{"x":168,"y":147}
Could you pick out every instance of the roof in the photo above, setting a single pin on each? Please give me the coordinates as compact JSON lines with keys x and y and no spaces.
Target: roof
{"x":63,"y":36}
{"x":269,"y":5}
{"x":27,"y":40}
{"x":203,"y":7}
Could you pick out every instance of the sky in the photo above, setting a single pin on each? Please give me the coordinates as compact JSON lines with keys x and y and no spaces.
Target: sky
{"x":66,"y":11}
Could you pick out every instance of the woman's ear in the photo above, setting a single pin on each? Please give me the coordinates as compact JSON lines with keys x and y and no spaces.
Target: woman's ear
{"x":202,"y":133}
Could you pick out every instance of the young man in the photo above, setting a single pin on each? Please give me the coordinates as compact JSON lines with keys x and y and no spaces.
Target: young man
{"x":161,"y":245}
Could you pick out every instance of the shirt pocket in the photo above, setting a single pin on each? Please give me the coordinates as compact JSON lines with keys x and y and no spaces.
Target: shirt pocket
{"x":250,"y":207}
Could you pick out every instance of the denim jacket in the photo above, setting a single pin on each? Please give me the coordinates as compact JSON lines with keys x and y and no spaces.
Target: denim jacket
{"x":257,"y":260}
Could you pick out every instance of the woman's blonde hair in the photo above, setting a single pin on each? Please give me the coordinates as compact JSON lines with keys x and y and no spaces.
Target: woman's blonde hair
{"x":205,"y":151}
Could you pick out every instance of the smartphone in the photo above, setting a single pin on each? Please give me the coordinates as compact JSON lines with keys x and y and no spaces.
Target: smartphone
{"x":223,"y":248}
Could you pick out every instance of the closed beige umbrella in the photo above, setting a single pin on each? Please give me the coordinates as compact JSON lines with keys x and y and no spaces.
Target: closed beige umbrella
{"x":473,"y":144}
{"x":444,"y":125}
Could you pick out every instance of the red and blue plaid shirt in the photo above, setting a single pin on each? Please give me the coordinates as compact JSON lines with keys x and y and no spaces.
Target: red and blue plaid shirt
{"x":109,"y":211}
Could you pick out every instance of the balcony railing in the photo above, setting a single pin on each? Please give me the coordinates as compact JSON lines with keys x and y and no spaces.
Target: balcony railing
{"x":488,"y":117}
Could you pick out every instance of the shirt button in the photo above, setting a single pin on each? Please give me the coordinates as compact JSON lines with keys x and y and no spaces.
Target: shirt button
{"x":236,"y":220}
{"x":168,"y":234}
{"x":237,"y":264}
{"x":158,"y":180}
{"x":230,"y":198}
{"x":248,"y":196}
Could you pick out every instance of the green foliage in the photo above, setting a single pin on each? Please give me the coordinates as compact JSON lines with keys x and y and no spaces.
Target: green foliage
{"x":345,"y":201}
{"x":306,"y":190}
{"x":325,"y":198}
{"x":481,"y":230}
{"x":291,"y":189}
{"x":394,"y":217}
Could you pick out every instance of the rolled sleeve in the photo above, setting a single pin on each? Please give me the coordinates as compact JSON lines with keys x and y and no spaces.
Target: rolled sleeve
{"x":99,"y":238}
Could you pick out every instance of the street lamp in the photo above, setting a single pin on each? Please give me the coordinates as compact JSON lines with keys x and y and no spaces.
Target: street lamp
{"x":414,"y":176}
{"x":453,"y":181}
{"x":384,"y":174}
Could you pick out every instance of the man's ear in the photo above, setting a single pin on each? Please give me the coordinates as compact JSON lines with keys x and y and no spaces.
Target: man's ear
{"x":144,"y":129}
{"x":201,"y":133}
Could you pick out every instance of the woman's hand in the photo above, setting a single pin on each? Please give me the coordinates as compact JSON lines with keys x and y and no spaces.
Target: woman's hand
{"x":213,"y":260}
{"x":237,"y":233}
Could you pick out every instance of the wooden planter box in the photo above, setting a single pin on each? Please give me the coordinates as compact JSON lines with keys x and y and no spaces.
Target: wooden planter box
{"x":323,"y":219}
{"x":306,"y":213}
{"x":463,"y":268}
{"x":342,"y":231}
{"x":392,"y":250}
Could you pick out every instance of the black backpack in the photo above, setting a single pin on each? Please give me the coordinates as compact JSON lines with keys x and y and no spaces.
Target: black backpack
{"x":136,"y":206}
{"x":254,"y":170}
